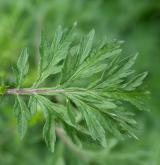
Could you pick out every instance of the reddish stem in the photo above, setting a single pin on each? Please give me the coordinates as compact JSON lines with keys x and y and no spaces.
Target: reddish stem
{"x":32,"y":91}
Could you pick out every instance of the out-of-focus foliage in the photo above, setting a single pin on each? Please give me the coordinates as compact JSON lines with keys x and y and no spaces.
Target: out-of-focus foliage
{"x":136,"y":22}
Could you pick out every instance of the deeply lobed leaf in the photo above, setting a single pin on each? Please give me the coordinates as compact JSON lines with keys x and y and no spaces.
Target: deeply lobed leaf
{"x":95,"y":81}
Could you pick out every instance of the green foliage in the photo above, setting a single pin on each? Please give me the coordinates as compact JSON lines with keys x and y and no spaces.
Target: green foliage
{"x":94,"y":80}
{"x":3,"y":89}
{"x":22,"y":66}
{"x":21,"y":24}
{"x":52,"y":55}
{"x":22,"y":114}
{"x":49,"y":132}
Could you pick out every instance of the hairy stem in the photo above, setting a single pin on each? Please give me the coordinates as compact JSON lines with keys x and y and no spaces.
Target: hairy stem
{"x":33,"y":91}
{"x":30,"y":91}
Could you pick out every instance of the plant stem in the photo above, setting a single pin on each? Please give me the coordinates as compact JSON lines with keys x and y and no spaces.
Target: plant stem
{"x":67,"y":141}
{"x":33,"y":91}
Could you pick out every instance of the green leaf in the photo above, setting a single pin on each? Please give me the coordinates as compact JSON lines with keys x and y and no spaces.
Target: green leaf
{"x":86,"y":45}
{"x":94,"y":83}
{"x":138,"y":99}
{"x":49,"y":133}
{"x":71,"y":114}
{"x":22,"y":114}
{"x":95,"y":128}
{"x":134,"y":82}
{"x":52,"y":54}
{"x":32,"y":105}
{"x":116,"y":71}
{"x":76,"y":57}
{"x":22,"y":66}
{"x":75,"y":70}
{"x":58,"y":111}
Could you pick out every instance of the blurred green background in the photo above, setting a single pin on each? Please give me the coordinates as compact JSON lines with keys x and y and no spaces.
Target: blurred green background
{"x":137,"y":22}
